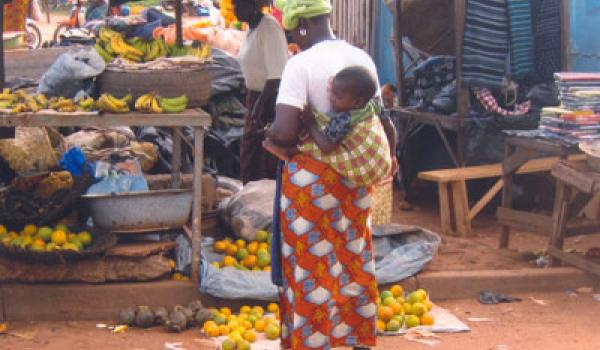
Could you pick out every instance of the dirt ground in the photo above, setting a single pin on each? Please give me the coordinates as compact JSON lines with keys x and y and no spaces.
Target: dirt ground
{"x":565,"y":322}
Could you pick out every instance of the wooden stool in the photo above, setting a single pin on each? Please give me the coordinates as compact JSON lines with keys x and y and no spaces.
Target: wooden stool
{"x":576,"y":185}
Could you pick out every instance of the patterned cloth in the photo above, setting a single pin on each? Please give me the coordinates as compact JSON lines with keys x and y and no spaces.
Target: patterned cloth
{"x":489,"y":103}
{"x":521,"y":38}
{"x":329,"y":295}
{"x":14,"y":15}
{"x":363,"y":156}
{"x":486,"y":42}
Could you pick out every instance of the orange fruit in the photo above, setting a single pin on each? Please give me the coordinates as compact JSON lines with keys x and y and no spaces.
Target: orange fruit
{"x":220,"y":246}
{"x":59,"y":237}
{"x":385,"y":313}
{"x":263,"y":246}
{"x":260,"y":326}
{"x":273,"y":308}
{"x":213,"y":331}
{"x":381,"y":325}
{"x":397,"y":309}
{"x":231,"y":250}
{"x":229,"y":261}
{"x":249,"y":335}
{"x":429,"y":304}
{"x":419,"y":309}
{"x":249,"y":261}
{"x":207,"y":325}
{"x":226,"y":311}
{"x":252,"y":248}
{"x":427,"y":320}
{"x":245,"y":309}
{"x":397,"y":290}
{"x":223,"y":330}
{"x":240,"y":243}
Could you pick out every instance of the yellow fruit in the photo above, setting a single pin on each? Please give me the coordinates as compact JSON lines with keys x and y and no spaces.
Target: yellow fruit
{"x":252,"y":319}
{"x":229,"y":261}
{"x":4,"y":231}
{"x":407,"y":308}
{"x":243,"y":345}
{"x":397,"y":309}
{"x":401,"y":300}
{"x":85,"y":238}
{"x":240,"y":243}
{"x":263,"y":246}
{"x":220,"y":246}
{"x":71,"y":237}
{"x":70,"y":246}
{"x":262,"y":236}
{"x":216,"y":264}
{"x":412,"y":321}
{"x":389,"y":301}
{"x":272,"y":332}
{"x":393,"y":326}
{"x":385,"y":313}
{"x":263,"y":258}
{"x":250,"y":336}
{"x":220,"y":319}
{"x":233,"y":324}
{"x":235,"y":336}
{"x":386,"y":294}
{"x":243,"y":316}
{"x":232,"y":250}
{"x":213,"y":331}
{"x":273,"y":308}
{"x":59,"y":237}
{"x":419,"y":309}
{"x":429,"y":304}
{"x":245,"y":309}
{"x":207,"y":325}
{"x":427,"y":320}
{"x":223,"y":330}
{"x":397,"y":290}
{"x":423,"y":293}
{"x":228,"y":344}
{"x":241,"y":329}
{"x":260,"y":326}
{"x":267,"y":268}
{"x":416,"y":297}
{"x":241,"y":254}
{"x":252,"y":248}
{"x":30,"y":230}
{"x":249,"y":261}
{"x":259,"y":310}
{"x":45,"y":233}
{"x":247,"y":324}
{"x":13,"y":235}
{"x":50,"y":247}
{"x":225,"y":311}
{"x":381,"y":325}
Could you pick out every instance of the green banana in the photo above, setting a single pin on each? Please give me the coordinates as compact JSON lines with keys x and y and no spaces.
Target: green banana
{"x":173,"y":105}
{"x":107,"y":57}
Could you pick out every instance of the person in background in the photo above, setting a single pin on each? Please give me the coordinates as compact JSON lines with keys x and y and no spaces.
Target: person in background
{"x":389,"y":94}
{"x":263,"y":56}
{"x":96,"y":10}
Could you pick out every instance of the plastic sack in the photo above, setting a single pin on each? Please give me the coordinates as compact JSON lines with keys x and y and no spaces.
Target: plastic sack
{"x":124,"y":175}
{"x":249,"y":210}
{"x":71,"y":72}
{"x":400,"y":252}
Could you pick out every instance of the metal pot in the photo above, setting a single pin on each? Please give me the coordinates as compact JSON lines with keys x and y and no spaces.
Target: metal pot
{"x":140,"y":211}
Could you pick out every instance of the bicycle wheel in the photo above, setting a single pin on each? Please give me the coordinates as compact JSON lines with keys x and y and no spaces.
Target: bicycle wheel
{"x":60,"y":30}
{"x":33,"y":36}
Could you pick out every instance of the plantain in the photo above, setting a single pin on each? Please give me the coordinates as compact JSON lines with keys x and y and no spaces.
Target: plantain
{"x":153,"y":51}
{"x":6,"y":95}
{"x":143,"y":103}
{"x":106,"y":56}
{"x":42,"y":100}
{"x":87,"y":104}
{"x":155,"y":107}
{"x":174,"y":105}
{"x":4,"y":104}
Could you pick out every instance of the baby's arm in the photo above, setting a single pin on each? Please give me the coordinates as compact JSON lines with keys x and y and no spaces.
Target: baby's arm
{"x":325,"y":144}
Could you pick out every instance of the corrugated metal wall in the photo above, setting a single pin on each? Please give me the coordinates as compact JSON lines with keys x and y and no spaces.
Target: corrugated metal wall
{"x":352,"y":21}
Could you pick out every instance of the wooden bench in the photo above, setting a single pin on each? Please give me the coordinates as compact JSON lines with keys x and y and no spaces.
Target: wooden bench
{"x":455,"y":214}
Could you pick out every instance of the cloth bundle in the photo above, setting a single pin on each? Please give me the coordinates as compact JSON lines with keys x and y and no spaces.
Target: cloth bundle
{"x":293,"y":10}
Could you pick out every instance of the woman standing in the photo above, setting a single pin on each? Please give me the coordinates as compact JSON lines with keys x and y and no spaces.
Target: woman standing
{"x":262,"y":58}
{"x":329,"y":292}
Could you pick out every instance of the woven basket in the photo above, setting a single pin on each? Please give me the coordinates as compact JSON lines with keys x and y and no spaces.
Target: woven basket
{"x":382,"y":199}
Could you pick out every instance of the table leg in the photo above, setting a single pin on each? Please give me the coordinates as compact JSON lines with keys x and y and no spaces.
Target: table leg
{"x":560,"y":218}
{"x":507,"y":196}
{"x":197,"y":209}
{"x":176,"y":161}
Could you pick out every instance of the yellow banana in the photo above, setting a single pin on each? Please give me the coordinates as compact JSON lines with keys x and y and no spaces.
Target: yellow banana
{"x":42,"y":100}
{"x":155,"y":108}
{"x":143,"y":103}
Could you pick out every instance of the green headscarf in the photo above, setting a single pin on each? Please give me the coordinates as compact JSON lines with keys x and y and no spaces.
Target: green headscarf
{"x":294,"y":10}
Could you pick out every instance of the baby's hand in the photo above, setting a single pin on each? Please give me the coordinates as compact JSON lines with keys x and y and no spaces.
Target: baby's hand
{"x":307,"y":116}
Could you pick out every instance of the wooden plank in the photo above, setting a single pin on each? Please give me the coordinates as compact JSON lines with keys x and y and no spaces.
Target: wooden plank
{"x":525,"y":221}
{"x":197,"y":208}
{"x":560,"y":218}
{"x":444,"y":198}
{"x":540,"y":145}
{"x":190,"y":117}
{"x":582,"y":180}
{"x":565,"y":35}
{"x":507,"y":196}
{"x":487,"y":171}
{"x":572,"y":259}
{"x":485,"y":199}
{"x":31,"y":64}
{"x":141,"y":249}
{"x":449,"y":149}
{"x":461,"y":208}
{"x":517,"y":159}
{"x":447,"y":122}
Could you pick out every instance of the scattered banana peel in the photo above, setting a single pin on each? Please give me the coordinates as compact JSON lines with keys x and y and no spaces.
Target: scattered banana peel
{"x":120,"y":329}
{"x":422,"y":336}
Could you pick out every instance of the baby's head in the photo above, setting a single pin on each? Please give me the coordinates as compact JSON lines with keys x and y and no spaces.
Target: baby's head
{"x":352,"y":88}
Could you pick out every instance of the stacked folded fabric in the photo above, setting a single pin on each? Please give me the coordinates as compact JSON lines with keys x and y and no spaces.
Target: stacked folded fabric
{"x":579,"y":91}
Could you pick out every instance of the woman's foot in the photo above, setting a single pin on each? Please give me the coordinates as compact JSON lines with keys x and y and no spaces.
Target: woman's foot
{"x":360,"y":347}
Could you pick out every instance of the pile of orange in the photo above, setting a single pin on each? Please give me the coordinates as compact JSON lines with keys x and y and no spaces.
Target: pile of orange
{"x":396,"y":310}
{"x":254,"y":255}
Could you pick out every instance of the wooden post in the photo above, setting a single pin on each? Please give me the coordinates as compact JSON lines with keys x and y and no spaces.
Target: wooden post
{"x":2,"y":73}
{"x":565,"y":35}
{"x":462,"y":94}
{"x":507,"y":195}
{"x":197,"y":208}
{"x":399,"y":53}
{"x":176,"y":160}
{"x":179,"y":22}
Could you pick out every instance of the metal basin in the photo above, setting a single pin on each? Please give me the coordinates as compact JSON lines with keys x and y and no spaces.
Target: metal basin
{"x":140,"y":211}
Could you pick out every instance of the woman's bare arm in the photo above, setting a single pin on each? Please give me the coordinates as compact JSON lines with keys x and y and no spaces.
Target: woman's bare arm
{"x":286,"y":128}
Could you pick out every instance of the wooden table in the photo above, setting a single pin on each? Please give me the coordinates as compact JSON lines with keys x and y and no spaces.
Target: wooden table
{"x":576,"y":185}
{"x":519,"y":150}
{"x":195,"y":118}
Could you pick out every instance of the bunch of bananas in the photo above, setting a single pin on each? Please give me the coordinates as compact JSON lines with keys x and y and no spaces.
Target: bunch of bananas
{"x":63,"y":104}
{"x":110,"y":104}
{"x":87,"y":104}
{"x":173,"y":105}
{"x":111,"y":44}
{"x":148,"y":103}
{"x":19,"y":101}
{"x":203,"y":50}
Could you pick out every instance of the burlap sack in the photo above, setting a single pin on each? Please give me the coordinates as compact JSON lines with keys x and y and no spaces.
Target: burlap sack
{"x":33,"y":150}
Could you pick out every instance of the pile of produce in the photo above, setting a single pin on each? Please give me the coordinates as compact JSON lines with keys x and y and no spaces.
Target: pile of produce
{"x":111,"y":44}
{"x":395,"y":310}
{"x":176,"y":320}
{"x":243,"y":328}
{"x":243,"y":255}
{"x":45,"y":239}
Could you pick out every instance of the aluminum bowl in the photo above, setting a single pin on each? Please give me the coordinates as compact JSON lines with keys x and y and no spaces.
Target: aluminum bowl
{"x":140,"y":211}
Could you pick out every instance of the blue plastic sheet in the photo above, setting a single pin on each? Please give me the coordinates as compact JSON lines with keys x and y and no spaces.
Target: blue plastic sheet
{"x":400,"y":252}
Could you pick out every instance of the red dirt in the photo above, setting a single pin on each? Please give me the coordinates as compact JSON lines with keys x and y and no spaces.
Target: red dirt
{"x":565,"y":323}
